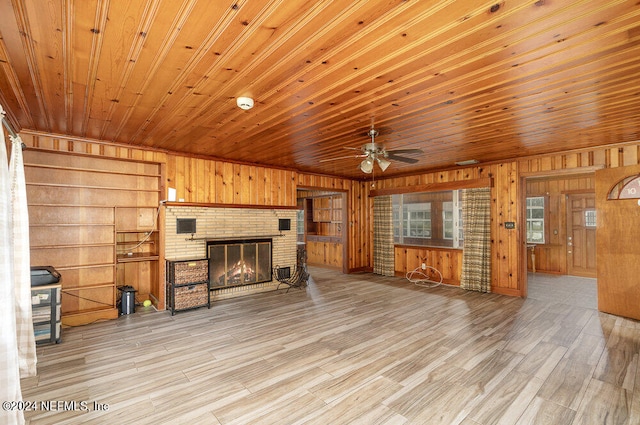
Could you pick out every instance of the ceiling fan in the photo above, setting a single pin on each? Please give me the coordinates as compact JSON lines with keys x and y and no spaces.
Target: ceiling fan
{"x":373,"y":152}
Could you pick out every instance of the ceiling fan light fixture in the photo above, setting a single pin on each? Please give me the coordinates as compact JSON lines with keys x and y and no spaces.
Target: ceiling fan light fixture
{"x":366,"y":166}
{"x":383,"y":163}
{"x":245,"y":103}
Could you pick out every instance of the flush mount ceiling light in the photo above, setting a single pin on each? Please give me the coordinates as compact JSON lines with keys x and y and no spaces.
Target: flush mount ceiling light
{"x":467,"y":162}
{"x":245,"y":103}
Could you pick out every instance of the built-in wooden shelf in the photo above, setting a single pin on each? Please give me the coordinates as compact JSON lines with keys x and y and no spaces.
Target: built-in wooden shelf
{"x":81,"y":186}
{"x":87,"y":241}
{"x":86,"y":245}
{"x":84,"y":288}
{"x":136,"y":257}
{"x":84,"y":266}
{"x":71,"y":225}
{"x":90,"y":170}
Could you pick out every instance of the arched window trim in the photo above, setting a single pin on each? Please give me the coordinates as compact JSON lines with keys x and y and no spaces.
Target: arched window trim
{"x":627,"y":188}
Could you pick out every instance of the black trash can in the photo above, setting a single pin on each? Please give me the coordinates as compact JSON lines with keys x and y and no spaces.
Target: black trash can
{"x":127,"y":299}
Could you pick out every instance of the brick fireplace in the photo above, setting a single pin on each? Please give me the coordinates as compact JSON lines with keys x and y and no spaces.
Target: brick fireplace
{"x":216,"y":227}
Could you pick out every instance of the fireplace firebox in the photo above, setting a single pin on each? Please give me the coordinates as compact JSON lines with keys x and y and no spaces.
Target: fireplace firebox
{"x":239,"y":262}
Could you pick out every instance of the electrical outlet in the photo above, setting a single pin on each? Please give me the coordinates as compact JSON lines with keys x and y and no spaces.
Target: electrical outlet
{"x":424,"y":266}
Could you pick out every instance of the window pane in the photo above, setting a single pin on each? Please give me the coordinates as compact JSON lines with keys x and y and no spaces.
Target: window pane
{"x":535,"y":219}
{"x":537,"y":213}
{"x":447,"y":220}
{"x":448,"y":230}
{"x":535,"y":201}
{"x":459,"y":227}
{"x":590,"y":218}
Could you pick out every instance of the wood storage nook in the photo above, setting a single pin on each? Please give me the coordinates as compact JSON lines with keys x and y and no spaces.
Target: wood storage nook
{"x":95,"y":220}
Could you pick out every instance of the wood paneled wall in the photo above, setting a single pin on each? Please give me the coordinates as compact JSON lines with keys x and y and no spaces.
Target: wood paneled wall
{"x":447,"y":261}
{"x":60,"y":143}
{"x":218,"y":182}
{"x":605,"y":157}
{"x":196,"y":180}
{"x":324,"y":253}
{"x":207,"y":181}
{"x":506,"y":265}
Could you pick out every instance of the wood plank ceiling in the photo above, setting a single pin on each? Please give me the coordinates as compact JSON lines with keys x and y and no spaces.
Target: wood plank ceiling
{"x":459,"y":79}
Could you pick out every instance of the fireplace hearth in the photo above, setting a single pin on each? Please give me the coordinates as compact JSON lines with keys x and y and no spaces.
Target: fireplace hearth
{"x":239,"y":262}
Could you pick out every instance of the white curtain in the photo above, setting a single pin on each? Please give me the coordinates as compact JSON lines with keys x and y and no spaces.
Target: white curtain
{"x":22,"y":262}
{"x":9,"y":364}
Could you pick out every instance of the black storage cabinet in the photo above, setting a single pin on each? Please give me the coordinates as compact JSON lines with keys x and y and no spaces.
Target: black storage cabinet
{"x":46,"y":304}
{"x":44,"y":275}
{"x":188,"y":285}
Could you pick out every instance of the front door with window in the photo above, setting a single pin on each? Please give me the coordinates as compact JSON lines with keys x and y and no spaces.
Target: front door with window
{"x":581,"y":235}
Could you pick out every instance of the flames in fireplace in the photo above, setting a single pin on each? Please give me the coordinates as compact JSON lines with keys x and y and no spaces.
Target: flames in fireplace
{"x":239,"y":262}
{"x":238,"y":274}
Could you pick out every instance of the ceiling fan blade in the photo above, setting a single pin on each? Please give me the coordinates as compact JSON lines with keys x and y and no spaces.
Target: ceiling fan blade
{"x":394,"y":157}
{"x":405,"y":151}
{"x":342,"y":157}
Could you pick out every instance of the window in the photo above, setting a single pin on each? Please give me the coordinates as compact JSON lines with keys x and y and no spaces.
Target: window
{"x":452,"y":219}
{"x":415,"y":223}
{"x":300,"y":222}
{"x":447,"y":220}
{"x":535,"y":219}
{"x":460,"y":223}
{"x":590,"y":218}
{"x":429,"y":218}
{"x":418,"y":220}
{"x":627,"y":188}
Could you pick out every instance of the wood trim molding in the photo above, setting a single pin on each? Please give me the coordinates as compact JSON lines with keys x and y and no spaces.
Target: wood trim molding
{"x":248,"y":206}
{"x":325,"y":191}
{"x":507,"y":291}
{"x":435,"y":187}
{"x":427,"y":247}
{"x":562,"y":172}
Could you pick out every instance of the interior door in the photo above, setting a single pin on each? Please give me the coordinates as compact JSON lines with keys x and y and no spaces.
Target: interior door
{"x":581,"y":234}
{"x":618,"y":247}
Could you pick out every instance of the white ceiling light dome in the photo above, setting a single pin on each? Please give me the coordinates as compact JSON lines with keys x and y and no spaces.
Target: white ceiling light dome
{"x":245,"y":103}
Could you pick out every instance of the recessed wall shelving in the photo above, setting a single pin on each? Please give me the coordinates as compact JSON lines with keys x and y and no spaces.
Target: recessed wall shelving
{"x":95,"y":220}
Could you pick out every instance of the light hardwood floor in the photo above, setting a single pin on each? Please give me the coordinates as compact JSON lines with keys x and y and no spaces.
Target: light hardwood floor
{"x":354,"y":349}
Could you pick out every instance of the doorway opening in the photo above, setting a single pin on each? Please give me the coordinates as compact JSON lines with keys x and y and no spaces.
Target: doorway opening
{"x":559,"y":225}
{"x":322,"y":227}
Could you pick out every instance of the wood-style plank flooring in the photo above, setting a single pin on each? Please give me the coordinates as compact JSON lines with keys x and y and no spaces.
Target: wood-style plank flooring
{"x":354,"y":349}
